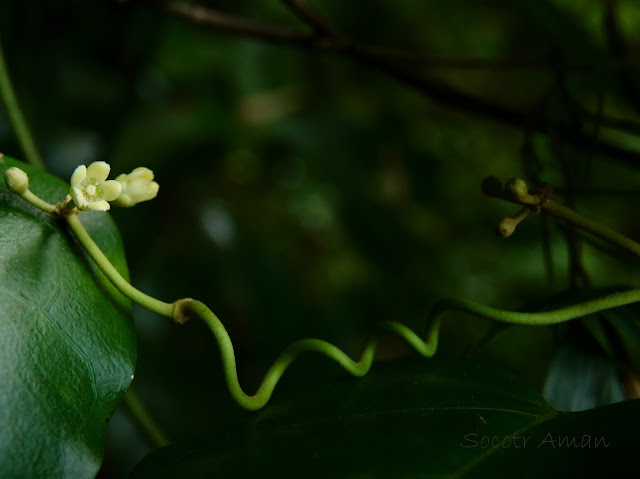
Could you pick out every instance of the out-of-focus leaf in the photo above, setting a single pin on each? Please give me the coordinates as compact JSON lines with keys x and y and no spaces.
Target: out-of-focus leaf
{"x":579,"y":380}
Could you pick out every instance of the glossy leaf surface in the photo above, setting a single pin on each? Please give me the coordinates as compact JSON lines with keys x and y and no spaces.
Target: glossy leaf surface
{"x":67,"y":343}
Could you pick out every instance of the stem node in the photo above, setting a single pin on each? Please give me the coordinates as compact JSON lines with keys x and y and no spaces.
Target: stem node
{"x":182,"y":310}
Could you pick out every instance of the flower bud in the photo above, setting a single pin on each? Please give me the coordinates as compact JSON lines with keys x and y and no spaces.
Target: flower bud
{"x":17,"y":180}
{"x":517,"y":189}
{"x":506,"y":227}
{"x":137,"y":186}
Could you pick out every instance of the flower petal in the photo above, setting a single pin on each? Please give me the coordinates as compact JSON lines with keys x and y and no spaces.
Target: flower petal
{"x":153,"y":191}
{"x":138,"y":188}
{"x":111,"y":190}
{"x":141,"y":172}
{"x":78,"y":175}
{"x":78,"y":198}
{"x":101,"y":205}
{"x":98,"y":170}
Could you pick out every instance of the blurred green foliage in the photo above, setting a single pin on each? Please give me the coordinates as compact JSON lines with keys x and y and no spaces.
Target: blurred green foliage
{"x":303,"y":194}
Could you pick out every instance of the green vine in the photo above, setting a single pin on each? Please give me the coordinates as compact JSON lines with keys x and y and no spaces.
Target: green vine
{"x":187,"y":308}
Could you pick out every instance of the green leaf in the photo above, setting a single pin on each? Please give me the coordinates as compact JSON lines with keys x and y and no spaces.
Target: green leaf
{"x":413,"y":419}
{"x":67,"y":343}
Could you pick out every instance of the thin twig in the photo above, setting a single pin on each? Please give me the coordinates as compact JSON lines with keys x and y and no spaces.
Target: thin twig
{"x":446,"y":63}
{"x":231,"y":24}
{"x":17,"y":118}
{"x":620,"y":51}
{"x":547,"y":255}
{"x":224,"y":22}
{"x":144,"y":420}
{"x":577,"y":269}
{"x":320,"y":25}
{"x":452,"y":97}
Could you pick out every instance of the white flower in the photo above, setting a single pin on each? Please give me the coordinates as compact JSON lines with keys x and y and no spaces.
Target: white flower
{"x":137,"y":186}
{"x":90,"y":189}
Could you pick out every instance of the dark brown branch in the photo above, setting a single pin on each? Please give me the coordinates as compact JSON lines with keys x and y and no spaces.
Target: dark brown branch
{"x":320,"y":25}
{"x":231,"y":24}
{"x":443,"y":63}
{"x":375,"y":57}
{"x":239,"y":26}
{"x":450,"y":96}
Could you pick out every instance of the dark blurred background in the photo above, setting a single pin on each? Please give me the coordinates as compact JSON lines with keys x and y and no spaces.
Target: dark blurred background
{"x":304,"y":194}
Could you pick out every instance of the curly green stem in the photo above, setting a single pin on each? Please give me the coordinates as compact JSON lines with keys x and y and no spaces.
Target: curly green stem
{"x":184,"y":309}
{"x":426,"y":348}
{"x":16,"y":117}
{"x":272,"y":377}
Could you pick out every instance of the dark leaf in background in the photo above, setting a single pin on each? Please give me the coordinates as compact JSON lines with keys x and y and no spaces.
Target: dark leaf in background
{"x":409,"y":419}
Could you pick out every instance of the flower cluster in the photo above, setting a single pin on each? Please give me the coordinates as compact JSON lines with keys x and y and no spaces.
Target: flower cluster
{"x":91,"y":190}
